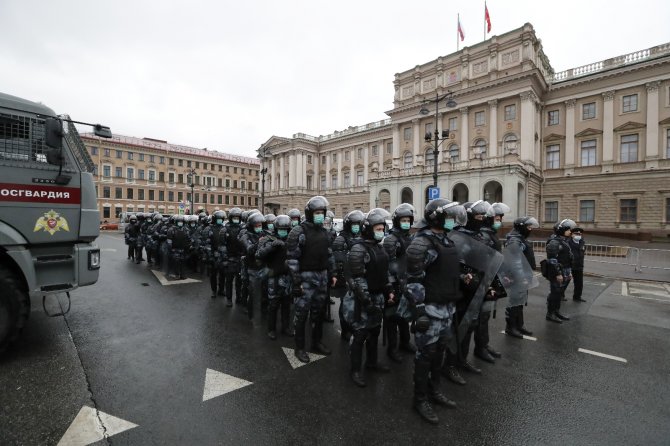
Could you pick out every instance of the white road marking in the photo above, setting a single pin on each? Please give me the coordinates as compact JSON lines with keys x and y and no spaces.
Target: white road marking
{"x":588,"y":282}
{"x":108,"y":250}
{"x":217,"y":384}
{"x":165,"y":282}
{"x":602,"y":355}
{"x":635,"y":291}
{"x":295,"y":363}
{"x":527,"y":338}
{"x":86,"y":428}
{"x":624,"y":288}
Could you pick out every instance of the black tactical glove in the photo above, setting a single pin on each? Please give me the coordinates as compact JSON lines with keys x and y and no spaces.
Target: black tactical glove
{"x":422,"y":322}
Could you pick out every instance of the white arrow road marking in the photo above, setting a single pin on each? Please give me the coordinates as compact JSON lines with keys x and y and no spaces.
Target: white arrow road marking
{"x":165,"y":282}
{"x":217,"y":384}
{"x":295,"y":363}
{"x":86,"y":428}
{"x":602,"y":355}
{"x":527,"y":338}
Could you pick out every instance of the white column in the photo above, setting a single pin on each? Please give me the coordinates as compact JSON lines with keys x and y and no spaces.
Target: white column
{"x":300,"y":169}
{"x":570,"y":134}
{"x":418,"y":137}
{"x":291,"y":170}
{"x":465,"y":139}
{"x":396,"y":146}
{"x":328,"y":161}
{"x":282,"y":173}
{"x":340,"y":161}
{"x":304,"y":169}
{"x":352,"y":167}
{"x":528,"y":99}
{"x":493,"y":128}
{"x":608,"y":130}
{"x":652,"y":120}
{"x":366,"y":162}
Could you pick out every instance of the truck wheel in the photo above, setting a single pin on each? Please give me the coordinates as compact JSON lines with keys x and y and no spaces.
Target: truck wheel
{"x":14,"y":307}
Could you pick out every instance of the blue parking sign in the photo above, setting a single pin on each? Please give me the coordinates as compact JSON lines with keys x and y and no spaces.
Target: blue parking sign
{"x":433,"y":193}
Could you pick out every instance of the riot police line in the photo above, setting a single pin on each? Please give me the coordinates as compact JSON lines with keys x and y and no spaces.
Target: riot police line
{"x":438,"y":277}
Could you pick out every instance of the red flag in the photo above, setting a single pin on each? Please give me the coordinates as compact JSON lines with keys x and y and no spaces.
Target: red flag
{"x":487,"y":17}
{"x":461,"y":33}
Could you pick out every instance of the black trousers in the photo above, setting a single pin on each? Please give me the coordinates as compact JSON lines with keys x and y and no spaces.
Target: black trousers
{"x":578,"y":278}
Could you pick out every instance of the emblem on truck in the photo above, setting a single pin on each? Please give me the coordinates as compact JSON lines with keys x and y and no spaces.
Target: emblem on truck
{"x":51,"y":222}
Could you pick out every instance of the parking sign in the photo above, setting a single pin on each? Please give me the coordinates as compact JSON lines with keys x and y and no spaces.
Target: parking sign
{"x":433,"y":193}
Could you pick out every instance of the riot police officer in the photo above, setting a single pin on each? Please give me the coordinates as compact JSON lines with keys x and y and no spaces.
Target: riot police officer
{"x":249,"y":241}
{"x":216,"y":245}
{"x":350,"y":234}
{"x":272,"y":254}
{"x":559,"y":260}
{"x":370,"y":288}
{"x":233,"y":254}
{"x":395,"y":245}
{"x":132,"y":231}
{"x":578,"y":247}
{"x":496,"y":291}
{"x":139,"y":241}
{"x":269,"y":224}
{"x":518,"y":238}
{"x":309,"y":260}
{"x":433,"y":286}
{"x":178,"y":242}
{"x":294,"y":215}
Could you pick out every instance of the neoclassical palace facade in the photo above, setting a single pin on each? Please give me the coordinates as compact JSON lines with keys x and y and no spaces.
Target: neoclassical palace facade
{"x":591,"y":143}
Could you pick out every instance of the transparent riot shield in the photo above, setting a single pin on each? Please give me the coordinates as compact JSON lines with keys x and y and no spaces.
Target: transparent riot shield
{"x":516,"y":275}
{"x":484,"y":262}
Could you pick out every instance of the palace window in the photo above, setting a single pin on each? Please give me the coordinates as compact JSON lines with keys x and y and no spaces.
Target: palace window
{"x":629,"y":103}
{"x":589,"y":110}
{"x":587,"y":210}
{"x":552,"y":117}
{"x":551,"y":211}
{"x":589,"y":152}
{"x":628,"y":210}
{"x":553,"y":156}
{"x":510,"y":112}
{"x":629,"y":145}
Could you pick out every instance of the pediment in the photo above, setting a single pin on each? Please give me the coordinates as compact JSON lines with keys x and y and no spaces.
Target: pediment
{"x":666,"y":121}
{"x":275,"y":140}
{"x":553,"y":137}
{"x":630,"y":125}
{"x":589,"y":132}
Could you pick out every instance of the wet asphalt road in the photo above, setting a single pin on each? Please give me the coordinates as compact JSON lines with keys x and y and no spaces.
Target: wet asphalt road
{"x":140,"y":351}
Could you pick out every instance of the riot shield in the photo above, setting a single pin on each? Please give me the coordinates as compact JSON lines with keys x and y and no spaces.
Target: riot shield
{"x":516,"y":275}
{"x":485,"y":262}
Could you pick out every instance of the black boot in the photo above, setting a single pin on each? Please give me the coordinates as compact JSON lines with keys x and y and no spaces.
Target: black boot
{"x":317,"y":345}
{"x":551,"y":316}
{"x":484,"y":355}
{"x":272,"y":321}
{"x":300,"y":342}
{"x":493,"y":352}
{"x":561,"y":316}
{"x":520,"y":324}
{"x":421,"y":390}
{"x":511,"y":320}
{"x":356,"y":354}
{"x":371,"y":360}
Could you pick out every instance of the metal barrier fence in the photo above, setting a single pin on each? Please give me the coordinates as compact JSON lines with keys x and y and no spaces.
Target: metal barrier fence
{"x":638,"y":259}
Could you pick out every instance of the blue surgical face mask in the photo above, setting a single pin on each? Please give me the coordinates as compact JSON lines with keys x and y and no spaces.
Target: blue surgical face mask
{"x":258,"y":230}
{"x":577,"y":238}
{"x":283,"y":233}
{"x":180,"y":223}
{"x":405,"y":226}
{"x":497,"y":225}
{"x":219,"y":221}
{"x":449,"y":224}
{"x":319,"y":218}
{"x":271,"y":226}
{"x":295,"y":222}
{"x":236,"y":220}
{"x":355,"y":229}
{"x":379,"y":235}
{"x":192,"y":225}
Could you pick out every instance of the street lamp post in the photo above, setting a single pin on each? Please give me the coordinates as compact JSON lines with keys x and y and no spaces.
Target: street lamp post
{"x":191,"y":173}
{"x":450,"y":103}
{"x":262,"y":152}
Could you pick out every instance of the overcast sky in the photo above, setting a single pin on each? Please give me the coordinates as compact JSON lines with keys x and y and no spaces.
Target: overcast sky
{"x":229,"y":75}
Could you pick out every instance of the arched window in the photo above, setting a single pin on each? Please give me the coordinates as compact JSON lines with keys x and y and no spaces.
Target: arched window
{"x":510,"y":143}
{"x":454,"y":153}
{"x":480,"y":148}
{"x":430,"y":159}
{"x":408,"y":160}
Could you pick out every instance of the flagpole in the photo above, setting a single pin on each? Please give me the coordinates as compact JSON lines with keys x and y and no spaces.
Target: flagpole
{"x":458,"y":23}
{"x":484,"y":19}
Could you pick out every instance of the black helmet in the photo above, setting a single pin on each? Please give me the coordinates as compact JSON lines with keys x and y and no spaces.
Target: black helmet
{"x":376,"y":216}
{"x":294,"y":213}
{"x":500,"y":209}
{"x":244,"y":216}
{"x":564,"y":225}
{"x":524,"y":224}
{"x":403,"y":210}
{"x":269,"y":220}
{"x":133,"y":218}
{"x":479,"y":207}
{"x":218,"y":215}
{"x":330,"y":214}
{"x":283,"y":222}
{"x":192,"y":220}
{"x":156,"y":216}
{"x":354,"y":217}
{"x":234,"y":213}
{"x":253,"y":219}
{"x":179,"y":219}
{"x":316,"y":203}
{"x":140,"y":216}
{"x":438,"y":210}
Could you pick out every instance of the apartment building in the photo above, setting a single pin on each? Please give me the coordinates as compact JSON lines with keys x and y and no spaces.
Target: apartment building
{"x":147,"y":175}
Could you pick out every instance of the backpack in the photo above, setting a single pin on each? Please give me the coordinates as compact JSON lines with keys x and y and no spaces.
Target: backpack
{"x":544,"y":268}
